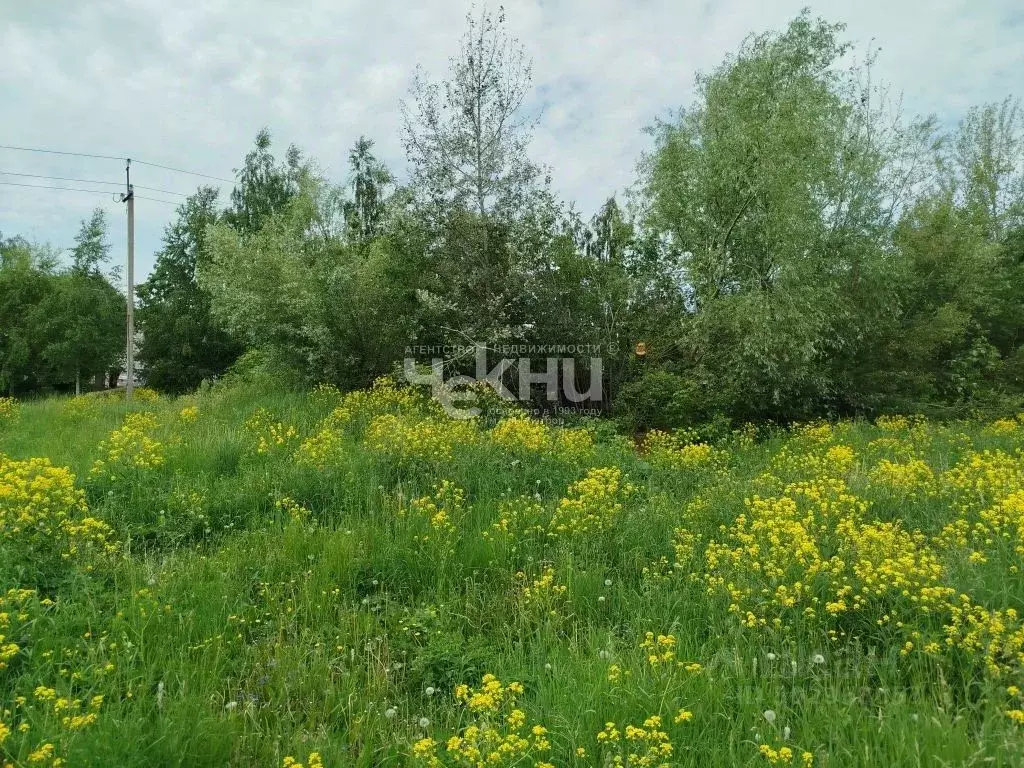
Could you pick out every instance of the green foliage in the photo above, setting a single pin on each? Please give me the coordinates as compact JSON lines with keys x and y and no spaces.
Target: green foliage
{"x":233,"y":606}
{"x":26,"y":279}
{"x":62,"y":326}
{"x":485,"y":221}
{"x":264,"y":186}
{"x":777,"y":192}
{"x":661,"y":400}
{"x":311,"y":301}
{"x":183,"y":345}
{"x":794,"y":248}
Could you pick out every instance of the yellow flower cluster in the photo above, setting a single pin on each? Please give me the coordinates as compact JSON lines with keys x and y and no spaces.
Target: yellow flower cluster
{"x":679,"y":452}
{"x":46,"y":754}
{"x":1006,"y":427}
{"x":592,"y":504}
{"x":427,"y":438}
{"x":17,"y":608}
{"x":979,"y":479}
{"x":360,"y":407}
{"x":8,"y":409}
{"x":810,"y":553}
{"x":188,"y":414}
{"x":295,"y":511}
{"x":441,"y":509}
{"x":80,"y":407}
{"x":892,"y":423}
{"x":72,"y":713}
{"x":791,"y":464}
{"x":811,"y":548}
{"x":660,"y":653}
{"x":813,"y":432}
{"x":326,"y":393}
{"x":270,"y":435}
{"x":912,"y":479}
{"x":1005,"y":522}
{"x":643,"y":746}
{"x":542,"y":596}
{"x":129,"y":448}
{"x":784,"y":756}
{"x":321,"y":449}
{"x":498,"y":733}
{"x":314,"y":760}
{"x":44,"y":516}
{"x":521,"y":435}
{"x":145,"y":395}
{"x":519,"y":520}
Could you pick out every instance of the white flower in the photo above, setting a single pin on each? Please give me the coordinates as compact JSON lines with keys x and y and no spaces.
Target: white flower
{"x":603,"y":654}
{"x":769,"y":715}
{"x":231,"y":705}
{"x":390,"y":713}
{"x":600,"y":599}
{"x":607,"y":582}
{"x":430,"y":690}
{"x":785,"y":733}
{"x":770,"y":656}
{"x":818,"y":659}
{"x":547,"y":667}
{"x":424,"y":722}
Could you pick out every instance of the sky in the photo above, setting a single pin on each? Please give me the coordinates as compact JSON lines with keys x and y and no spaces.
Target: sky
{"x":189,"y":83}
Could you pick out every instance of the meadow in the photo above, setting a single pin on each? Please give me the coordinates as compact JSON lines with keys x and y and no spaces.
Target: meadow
{"x":254,"y":578}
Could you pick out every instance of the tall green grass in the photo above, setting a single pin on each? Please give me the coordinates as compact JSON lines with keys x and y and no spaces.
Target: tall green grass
{"x":238,"y":635}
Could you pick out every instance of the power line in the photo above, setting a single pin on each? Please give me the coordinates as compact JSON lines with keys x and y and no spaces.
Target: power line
{"x":80,"y":189}
{"x":59,"y":178}
{"x":90,"y":181}
{"x":156,"y":200}
{"x":45,"y":186}
{"x":58,"y":152}
{"x":179,"y":170}
{"x":112,"y":157}
{"x":161,"y":191}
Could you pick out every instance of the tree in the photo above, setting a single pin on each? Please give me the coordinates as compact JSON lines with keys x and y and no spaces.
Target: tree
{"x":315,"y":304}
{"x":776,"y":192}
{"x":486,"y":215}
{"x":960,"y":279}
{"x":182,"y":343}
{"x":91,"y":250}
{"x":364,"y":213}
{"x":83,"y":318}
{"x":984,"y":167}
{"x":264,"y":186}
{"x":26,"y":279}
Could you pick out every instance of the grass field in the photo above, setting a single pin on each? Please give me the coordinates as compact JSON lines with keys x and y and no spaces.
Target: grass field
{"x":253,"y":579}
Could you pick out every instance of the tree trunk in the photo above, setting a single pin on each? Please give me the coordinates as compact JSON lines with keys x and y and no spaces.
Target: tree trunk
{"x":78,"y":382}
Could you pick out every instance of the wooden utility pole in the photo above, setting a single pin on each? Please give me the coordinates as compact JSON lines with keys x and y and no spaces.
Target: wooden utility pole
{"x":129,"y":198}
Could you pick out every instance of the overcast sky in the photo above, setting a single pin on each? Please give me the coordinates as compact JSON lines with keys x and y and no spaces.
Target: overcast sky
{"x":188,"y":83}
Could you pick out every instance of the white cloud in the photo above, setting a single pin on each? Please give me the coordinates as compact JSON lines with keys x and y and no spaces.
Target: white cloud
{"x":189,"y":83}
